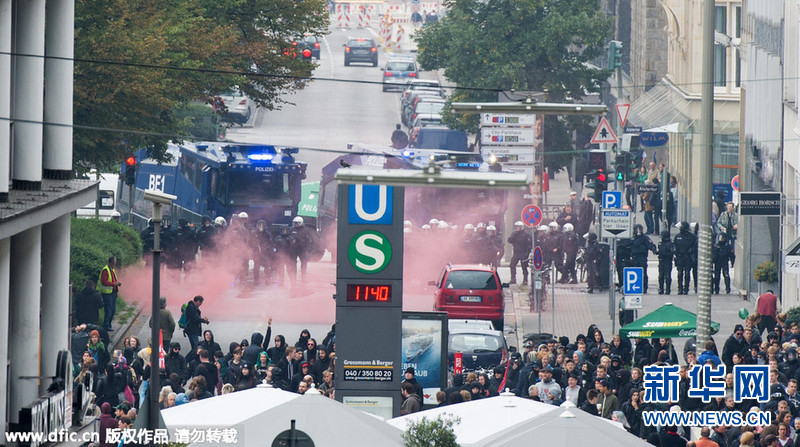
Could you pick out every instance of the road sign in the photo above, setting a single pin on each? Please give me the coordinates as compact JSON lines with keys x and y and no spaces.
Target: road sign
{"x":622,"y":113}
{"x":514,"y":136}
{"x":633,"y":129}
{"x":507,"y":119}
{"x":612,"y":199}
{"x":735,"y":182}
{"x":538,"y":258}
{"x":603,"y":133}
{"x":791,"y":258}
{"x":648,"y":188}
{"x":632,"y":280}
{"x":516,"y":154}
{"x":631,"y":302}
{"x":531,"y":215}
{"x":653,"y":139}
{"x":616,"y":223}
{"x":760,"y":204}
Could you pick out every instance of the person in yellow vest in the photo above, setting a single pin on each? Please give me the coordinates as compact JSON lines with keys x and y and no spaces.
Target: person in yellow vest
{"x":108,"y":285}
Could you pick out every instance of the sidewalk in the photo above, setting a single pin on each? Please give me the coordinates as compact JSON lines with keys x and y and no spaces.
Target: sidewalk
{"x":576,"y":310}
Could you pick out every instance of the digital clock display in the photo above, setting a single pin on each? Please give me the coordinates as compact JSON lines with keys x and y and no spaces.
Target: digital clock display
{"x":369,"y":293}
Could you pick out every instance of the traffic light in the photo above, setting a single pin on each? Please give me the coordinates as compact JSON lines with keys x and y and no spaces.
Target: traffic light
{"x":130,"y":170}
{"x":614,"y":54}
{"x":621,"y":166}
{"x":601,"y":183}
{"x":634,"y":163}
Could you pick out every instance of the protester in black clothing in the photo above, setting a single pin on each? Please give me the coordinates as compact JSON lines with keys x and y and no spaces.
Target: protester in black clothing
{"x":194,"y":320}
{"x":206,"y":369}
{"x":685,"y":245}
{"x":258,"y":343}
{"x":591,"y":259}
{"x":570,"y":242}
{"x":322,"y":363}
{"x":88,"y":303}
{"x":399,"y":137}
{"x":413,"y":381}
{"x":208,"y":342}
{"x":590,"y":405}
{"x":302,"y":342}
{"x":720,"y":256}
{"x":277,"y":352}
{"x":279,"y":379}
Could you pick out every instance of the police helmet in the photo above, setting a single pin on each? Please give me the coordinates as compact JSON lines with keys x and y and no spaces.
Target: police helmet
{"x":519,"y":224}
{"x":433,"y":222}
{"x":298,"y":220}
{"x":553,"y":226}
{"x":665,"y":234}
{"x":592,"y":236}
{"x":638,"y":228}
{"x":693,"y":226}
{"x":684,"y":226}
{"x":407,"y":224}
{"x":568,"y":227}
{"x":480,"y":225}
{"x":491,"y":228}
{"x":426,"y":227}
{"x":469,"y":227}
{"x":406,"y":230}
{"x":543,"y":228}
{"x":183,"y":222}
{"x":443,"y":225}
{"x":150,"y":222}
{"x":261,"y":223}
{"x":115,"y":213}
{"x":205,"y":219}
{"x":220,"y":221}
{"x":243,"y":215}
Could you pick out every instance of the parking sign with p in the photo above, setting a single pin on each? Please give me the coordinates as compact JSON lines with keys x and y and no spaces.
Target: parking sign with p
{"x":612,"y":199}
{"x":632,"y":280}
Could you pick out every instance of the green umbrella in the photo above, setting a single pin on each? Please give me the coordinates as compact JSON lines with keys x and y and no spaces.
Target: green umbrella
{"x":308,"y":204}
{"x":668,"y":321}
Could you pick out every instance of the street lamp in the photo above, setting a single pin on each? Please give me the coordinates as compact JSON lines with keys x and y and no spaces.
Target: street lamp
{"x":158,"y":199}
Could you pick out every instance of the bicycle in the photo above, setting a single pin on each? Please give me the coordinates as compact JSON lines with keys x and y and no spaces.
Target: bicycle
{"x":580,"y":264}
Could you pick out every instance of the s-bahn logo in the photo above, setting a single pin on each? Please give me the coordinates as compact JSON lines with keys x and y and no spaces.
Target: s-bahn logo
{"x":370,"y":205}
{"x":369,"y":251}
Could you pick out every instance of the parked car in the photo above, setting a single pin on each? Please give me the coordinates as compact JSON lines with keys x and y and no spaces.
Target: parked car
{"x":430,"y":85}
{"x":422,"y":120}
{"x":360,"y":50}
{"x":410,"y":95}
{"x":479,"y":348}
{"x":470,"y":291}
{"x":398,"y":71}
{"x":233,"y":105}
{"x":427,"y":105}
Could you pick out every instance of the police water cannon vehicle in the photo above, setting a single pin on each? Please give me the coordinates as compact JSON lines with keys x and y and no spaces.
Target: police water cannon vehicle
{"x":217,"y":179}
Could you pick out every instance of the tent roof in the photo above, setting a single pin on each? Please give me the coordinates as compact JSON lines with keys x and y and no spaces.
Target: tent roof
{"x":565,"y":427}
{"x":666,"y":321}
{"x":260,"y":414}
{"x":480,"y":418}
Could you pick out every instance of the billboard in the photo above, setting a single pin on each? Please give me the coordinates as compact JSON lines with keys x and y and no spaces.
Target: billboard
{"x":424,"y":348}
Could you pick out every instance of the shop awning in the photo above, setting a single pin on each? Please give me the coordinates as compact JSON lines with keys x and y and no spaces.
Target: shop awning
{"x":666,"y":321}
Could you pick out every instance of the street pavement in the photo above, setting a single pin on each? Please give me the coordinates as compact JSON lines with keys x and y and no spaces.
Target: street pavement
{"x":575,"y":310}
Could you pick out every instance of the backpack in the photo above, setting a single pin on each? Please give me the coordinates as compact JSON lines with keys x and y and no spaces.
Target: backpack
{"x":182,"y":320}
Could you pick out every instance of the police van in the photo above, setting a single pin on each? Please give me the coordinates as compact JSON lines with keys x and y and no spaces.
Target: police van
{"x":105,"y":208}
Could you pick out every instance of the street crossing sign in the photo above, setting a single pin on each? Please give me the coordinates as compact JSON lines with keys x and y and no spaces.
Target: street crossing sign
{"x":616,"y":223}
{"x":632,"y":280}
{"x":603,"y":133}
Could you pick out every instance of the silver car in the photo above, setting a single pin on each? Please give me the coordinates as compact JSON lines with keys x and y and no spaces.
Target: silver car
{"x":233,"y":105}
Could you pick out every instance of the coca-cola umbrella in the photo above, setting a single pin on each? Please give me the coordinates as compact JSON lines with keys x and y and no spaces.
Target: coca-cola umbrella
{"x":668,"y":321}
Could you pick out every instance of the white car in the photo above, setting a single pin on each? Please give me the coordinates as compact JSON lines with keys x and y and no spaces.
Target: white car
{"x":233,"y":105}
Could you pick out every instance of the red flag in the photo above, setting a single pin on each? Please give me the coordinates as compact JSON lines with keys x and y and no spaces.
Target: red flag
{"x":161,"y":353}
{"x":458,"y":363}
{"x":505,"y":376}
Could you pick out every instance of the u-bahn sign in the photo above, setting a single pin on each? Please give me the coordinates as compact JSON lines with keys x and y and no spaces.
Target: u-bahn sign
{"x":369,"y":296}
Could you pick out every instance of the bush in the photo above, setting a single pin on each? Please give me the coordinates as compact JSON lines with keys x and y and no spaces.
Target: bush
{"x":766,"y":272}
{"x":201,"y":121}
{"x":793,"y":315}
{"x":93,"y":241}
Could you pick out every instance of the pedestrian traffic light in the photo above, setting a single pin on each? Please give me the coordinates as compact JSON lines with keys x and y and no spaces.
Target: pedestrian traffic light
{"x":621,"y":166}
{"x":614,"y":54}
{"x":130,"y":170}
{"x":601,"y":183}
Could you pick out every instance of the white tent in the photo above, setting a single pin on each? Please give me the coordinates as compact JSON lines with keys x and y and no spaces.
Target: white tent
{"x":258,"y":415}
{"x":567,"y":426}
{"x":483,"y":418}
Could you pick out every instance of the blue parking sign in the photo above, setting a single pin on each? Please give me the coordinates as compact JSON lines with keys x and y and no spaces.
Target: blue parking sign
{"x":612,"y":199}
{"x":632,"y":280}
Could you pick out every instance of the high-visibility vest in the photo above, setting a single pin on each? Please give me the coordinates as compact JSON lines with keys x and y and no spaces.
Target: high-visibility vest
{"x":107,"y":290}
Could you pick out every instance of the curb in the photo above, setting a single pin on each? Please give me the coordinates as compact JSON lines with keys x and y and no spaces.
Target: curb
{"x":123,"y":330}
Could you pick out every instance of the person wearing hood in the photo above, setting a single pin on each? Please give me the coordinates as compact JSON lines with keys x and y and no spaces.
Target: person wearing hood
{"x":278,"y":379}
{"x":277,"y":352}
{"x":322,"y":363}
{"x":790,"y":365}
{"x":108,"y":387}
{"x":642,"y":353}
{"x":302,"y":342}
{"x":664,"y":344}
{"x":247,"y":379}
{"x":107,"y":422}
{"x":258,"y":343}
{"x":234,"y":367}
{"x":208,"y":342}
{"x":174,"y":362}
{"x":476,"y":390}
{"x":311,"y":353}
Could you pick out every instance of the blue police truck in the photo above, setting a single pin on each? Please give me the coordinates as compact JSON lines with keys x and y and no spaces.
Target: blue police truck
{"x":216,"y":179}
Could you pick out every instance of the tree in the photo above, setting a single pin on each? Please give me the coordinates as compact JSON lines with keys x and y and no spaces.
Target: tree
{"x":436,"y":432}
{"x":527,"y":45}
{"x":139,"y":62}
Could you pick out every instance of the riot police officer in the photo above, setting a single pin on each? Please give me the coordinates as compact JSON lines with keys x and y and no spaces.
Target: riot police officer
{"x":720,"y":256}
{"x":640,"y":245}
{"x":305,"y":238}
{"x":522,"y":242}
{"x":623,"y":258}
{"x":185,"y":246}
{"x":263,"y":251}
{"x":571,"y":242}
{"x":554,"y":247}
{"x":493,"y":246}
{"x":592,"y":260}
{"x":685,"y":246}
{"x":666,"y":251}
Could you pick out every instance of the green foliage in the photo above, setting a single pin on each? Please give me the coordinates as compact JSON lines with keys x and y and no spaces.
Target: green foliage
{"x":93,"y":241}
{"x":432,"y":432}
{"x":793,"y":315}
{"x":219,"y":43}
{"x":766,"y":272}
{"x":526,"y":45}
{"x":201,"y":121}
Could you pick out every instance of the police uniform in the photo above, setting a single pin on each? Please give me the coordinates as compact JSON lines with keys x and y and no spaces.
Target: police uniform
{"x":720,"y":255}
{"x":685,"y":245}
{"x":640,"y":245}
{"x":666,"y":251}
{"x":522,"y":242}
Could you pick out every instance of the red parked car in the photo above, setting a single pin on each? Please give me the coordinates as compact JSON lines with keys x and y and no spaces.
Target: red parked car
{"x":470,"y":291}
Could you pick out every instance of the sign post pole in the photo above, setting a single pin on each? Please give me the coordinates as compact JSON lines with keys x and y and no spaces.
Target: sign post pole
{"x":611,"y":283}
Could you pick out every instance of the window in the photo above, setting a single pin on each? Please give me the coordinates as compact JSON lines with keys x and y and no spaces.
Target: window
{"x":361,"y":43}
{"x":248,"y":188}
{"x":468,"y":343}
{"x":400,"y":66}
{"x":727,"y":64}
{"x":720,"y":51}
{"x":469,"y":279}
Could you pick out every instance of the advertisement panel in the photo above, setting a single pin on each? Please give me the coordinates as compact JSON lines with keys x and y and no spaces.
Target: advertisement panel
{"x":424,"y":348}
